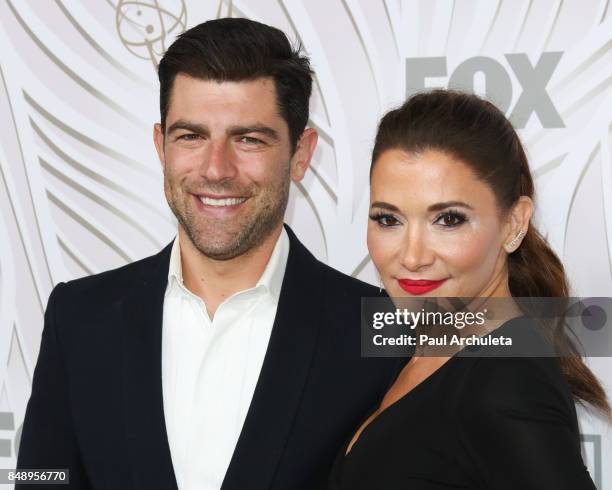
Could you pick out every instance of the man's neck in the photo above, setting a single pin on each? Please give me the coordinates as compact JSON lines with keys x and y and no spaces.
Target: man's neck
{"x":215,"y":280}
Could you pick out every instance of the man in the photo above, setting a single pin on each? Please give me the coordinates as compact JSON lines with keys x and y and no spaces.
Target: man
{"x":231,"y":359}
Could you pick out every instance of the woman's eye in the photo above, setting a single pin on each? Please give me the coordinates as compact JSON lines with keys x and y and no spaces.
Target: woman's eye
{"x":451,"y":219}
{"x":385,"y":220}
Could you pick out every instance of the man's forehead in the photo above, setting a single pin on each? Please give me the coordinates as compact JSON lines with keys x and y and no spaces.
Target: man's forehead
{"x":194,"y":95}
{"x":261,"y":86}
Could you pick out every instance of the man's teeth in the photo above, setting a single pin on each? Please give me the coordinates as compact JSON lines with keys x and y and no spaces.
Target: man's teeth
{"x":230,"y":201}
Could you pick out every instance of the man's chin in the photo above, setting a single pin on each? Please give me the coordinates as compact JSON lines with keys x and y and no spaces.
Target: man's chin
{"x":224,"y":241}
{"x":220,"y":254}
{"x":219,"y":248}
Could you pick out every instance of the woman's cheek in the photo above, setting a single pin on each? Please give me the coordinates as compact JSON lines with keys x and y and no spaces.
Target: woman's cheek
{"x":376,"y":248}
{"x":465,"y":251}
{"x":383,"y":248}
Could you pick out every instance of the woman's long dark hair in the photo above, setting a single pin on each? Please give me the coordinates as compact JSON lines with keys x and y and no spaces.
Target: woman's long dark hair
{"x":475,"y":132}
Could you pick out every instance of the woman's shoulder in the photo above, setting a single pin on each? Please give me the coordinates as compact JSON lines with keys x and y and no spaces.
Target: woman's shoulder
{"x":519,"y":337}
{"x":533,"y":387}
{"x":515,"y":423}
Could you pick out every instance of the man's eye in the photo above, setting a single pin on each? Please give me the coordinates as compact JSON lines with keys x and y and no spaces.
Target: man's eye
{"x":249,"y":140}
{"x":385,"y":220}
{"x":189,"y":137}
{"x":451,"y":219}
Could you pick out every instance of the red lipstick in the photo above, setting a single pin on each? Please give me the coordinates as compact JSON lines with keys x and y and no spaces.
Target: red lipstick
{"x":419,"y":286}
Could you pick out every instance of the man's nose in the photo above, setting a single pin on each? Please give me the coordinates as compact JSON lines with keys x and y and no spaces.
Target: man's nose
{"x":218,"y":163}
{"x":416,"y":252}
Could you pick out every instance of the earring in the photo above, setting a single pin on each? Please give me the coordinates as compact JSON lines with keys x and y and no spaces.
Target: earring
{"x":380,"y":284}
{"x":516,"y":239}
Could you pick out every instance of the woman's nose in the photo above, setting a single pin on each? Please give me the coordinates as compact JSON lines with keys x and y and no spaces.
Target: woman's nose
{"x":416,"y":252}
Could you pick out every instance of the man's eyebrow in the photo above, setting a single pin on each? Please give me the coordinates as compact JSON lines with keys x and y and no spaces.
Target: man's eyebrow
{"x":188,"y":126}
{"x":254,"y":128}
{"x":232,"y":131}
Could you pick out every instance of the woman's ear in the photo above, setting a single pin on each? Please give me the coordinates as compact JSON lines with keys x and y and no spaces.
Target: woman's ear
{"x":518,"y":223}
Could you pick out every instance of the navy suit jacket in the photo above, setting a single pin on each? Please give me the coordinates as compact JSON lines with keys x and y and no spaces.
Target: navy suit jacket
{"x":96,"y":406}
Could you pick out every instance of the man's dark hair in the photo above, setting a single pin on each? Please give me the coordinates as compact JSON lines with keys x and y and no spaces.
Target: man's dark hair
{"x":241,"y":50}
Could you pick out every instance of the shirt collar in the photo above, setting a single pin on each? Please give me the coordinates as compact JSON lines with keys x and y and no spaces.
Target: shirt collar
{"x":273,"y":274}
{"x":175,"y":271}
{"x":271,"y":279}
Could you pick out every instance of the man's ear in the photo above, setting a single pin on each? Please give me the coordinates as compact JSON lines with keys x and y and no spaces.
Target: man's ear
{"x":158,"y":139}
{"x":518,"y":223}
{"x":300,"y":161}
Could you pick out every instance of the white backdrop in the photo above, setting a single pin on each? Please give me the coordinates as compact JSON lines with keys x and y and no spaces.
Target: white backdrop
{"x":81,"y":188}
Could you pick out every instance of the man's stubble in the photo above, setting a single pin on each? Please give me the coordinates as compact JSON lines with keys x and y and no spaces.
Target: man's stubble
{"x":246,"y":232}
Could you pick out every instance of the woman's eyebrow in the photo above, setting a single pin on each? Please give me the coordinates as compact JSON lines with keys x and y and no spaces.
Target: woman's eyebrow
{"x":384,"y":205}
{"x":434,"y":207}
{"x":448,"y":204}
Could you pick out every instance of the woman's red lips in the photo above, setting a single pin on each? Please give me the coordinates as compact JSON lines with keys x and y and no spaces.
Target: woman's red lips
{"x":419,"y":286}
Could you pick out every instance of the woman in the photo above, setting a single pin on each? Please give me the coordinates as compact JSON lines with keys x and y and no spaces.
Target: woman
{"x":450,"y":216}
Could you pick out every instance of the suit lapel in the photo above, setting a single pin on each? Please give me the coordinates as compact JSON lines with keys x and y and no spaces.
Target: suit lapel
{"x":283,"y":374}
{"x":142,"y":382}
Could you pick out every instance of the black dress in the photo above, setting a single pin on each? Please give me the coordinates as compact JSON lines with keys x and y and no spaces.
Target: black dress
{"x":475,"y":423}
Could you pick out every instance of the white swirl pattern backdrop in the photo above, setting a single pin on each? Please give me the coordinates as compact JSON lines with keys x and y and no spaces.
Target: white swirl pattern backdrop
{"x":81,"y":188}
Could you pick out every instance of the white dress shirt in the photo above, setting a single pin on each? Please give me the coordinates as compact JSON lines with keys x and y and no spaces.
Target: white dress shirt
{"x":210,"y":368}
